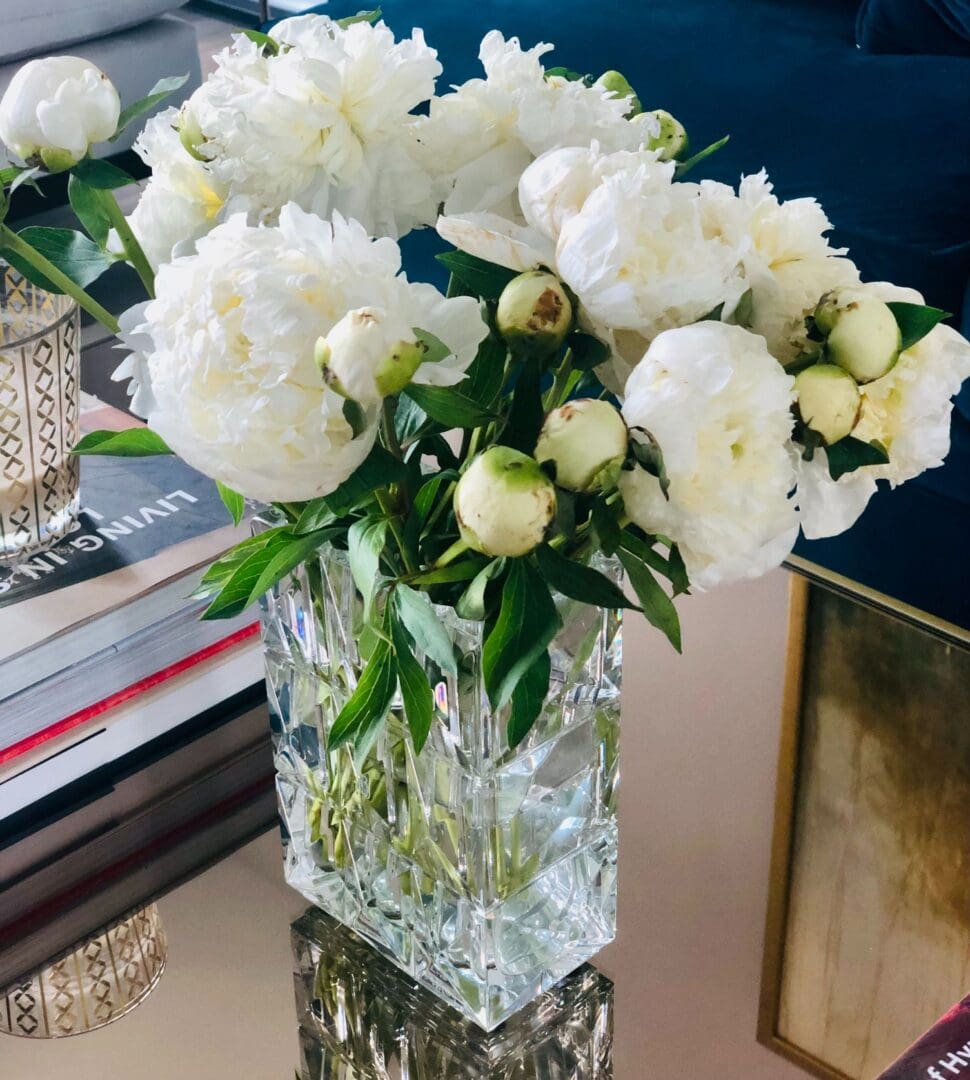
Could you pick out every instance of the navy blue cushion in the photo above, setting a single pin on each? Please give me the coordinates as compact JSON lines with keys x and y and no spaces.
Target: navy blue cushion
{"x":940,"y":27}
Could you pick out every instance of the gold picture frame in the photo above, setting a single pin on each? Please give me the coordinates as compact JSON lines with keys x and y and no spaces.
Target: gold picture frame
{"x":801,"y":776}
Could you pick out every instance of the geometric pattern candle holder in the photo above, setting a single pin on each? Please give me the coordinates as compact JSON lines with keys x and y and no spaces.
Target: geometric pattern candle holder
{"x":101,"y":980}
{"x":39,"y":415}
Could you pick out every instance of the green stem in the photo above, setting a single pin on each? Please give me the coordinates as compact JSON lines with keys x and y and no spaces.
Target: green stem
{"x":459,"y":547}
{"x":391,"y":441}
{"x":12,"y":242}
{"x":133,"y":250}
{"x":560,"y":382}
{"x":386,"y":502}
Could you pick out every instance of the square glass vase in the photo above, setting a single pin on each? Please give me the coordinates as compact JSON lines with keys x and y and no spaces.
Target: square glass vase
{"x":486,"y":873}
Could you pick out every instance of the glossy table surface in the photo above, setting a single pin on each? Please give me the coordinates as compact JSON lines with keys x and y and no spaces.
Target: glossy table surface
{"x":683,"y":980}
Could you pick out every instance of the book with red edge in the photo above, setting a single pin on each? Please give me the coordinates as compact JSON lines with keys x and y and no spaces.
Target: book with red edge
{"x":943,"y":1053}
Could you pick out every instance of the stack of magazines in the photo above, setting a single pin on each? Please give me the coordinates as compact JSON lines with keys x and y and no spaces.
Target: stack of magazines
{"x":101,"y":646}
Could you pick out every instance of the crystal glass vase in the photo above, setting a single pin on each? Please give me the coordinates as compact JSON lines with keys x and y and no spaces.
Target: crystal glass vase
{"x":485,"y":872}
{"x":39,"y":415}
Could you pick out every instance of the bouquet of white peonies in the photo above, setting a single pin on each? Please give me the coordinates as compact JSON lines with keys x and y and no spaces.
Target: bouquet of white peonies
{"x":626,"y":361}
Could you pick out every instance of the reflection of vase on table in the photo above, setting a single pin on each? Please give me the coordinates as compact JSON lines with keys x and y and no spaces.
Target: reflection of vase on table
{"x":39,"y":395}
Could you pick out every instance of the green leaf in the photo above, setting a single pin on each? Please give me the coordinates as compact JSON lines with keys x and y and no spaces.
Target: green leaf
{"x":644,"y":551}
{"x":528,"y":697}
{"x":362,"y":16}
{"x":427,"y":494}
{"x":714,"y":315}
{"x":222,"y":569}
{"x":417,"y":614}
{"x":849,"y":454}
{"x":269,"y":45}
{"x":133,"y":442}
{"x":486,"y":373}
{"x":365,"y":542}
{"x":568,"y":74}
{"x":369,"y":703}
{"x":70,"y":251}
{"x":471,"y":604}
{"x":657,"y":606}
{"x":606,"y":526}
{"x":378,"y":469}
{"x":435,"y":350}
{"x":701,"y":155}
{"x":678,"y":571}
{"x":355,"y":417}
{"x":485,"y":279}
{"x":28,"y":177}
{"x":410,"y":420}
{"x":580,"y":582}
{"x":526,"y":624}
{"x":235,"y":575}
{"x":526,"y":415}
{"x":316,"y":514}
{"x":233,"y":502}
{"x":648,"y":454}
{"x":449,"y":405}
{"x":588,"y":351}
{"x":158,"y":93}
{"x":416,"y":693}
{"x":101,"y":175}
{"x":443,"y":575}
{"x":915,"y":321}
{"x":88,"y":204}
{"x":288,"y":558}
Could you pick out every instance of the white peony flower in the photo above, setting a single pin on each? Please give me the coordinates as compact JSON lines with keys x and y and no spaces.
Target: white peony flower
{"x":181,"y":202}
{"x":224,"y":366}
{"x":325,"y":123}
{"x":718,"y":405}
{"x":479,"y":138}
{"x":907,"y":410}
{"x":56,"y":108}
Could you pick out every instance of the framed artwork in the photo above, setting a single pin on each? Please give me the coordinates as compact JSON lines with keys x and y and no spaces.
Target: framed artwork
{"x":868,"y":929}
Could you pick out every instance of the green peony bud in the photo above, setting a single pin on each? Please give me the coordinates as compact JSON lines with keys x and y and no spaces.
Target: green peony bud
{"x":587,"y":441}
{"x":534,"y":313}
{"x":828,"y":401}
{"x":504,"y":503}
{"x":672,"y":142}
{"x":619,"y":86}
{"x":862,"y":334}
{"x":190,"y":132}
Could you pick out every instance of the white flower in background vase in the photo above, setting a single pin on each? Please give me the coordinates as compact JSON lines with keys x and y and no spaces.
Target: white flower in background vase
{"x":325,"y":122}
{"x":55,"y":109}
{"x":719,"y":407}
{"x":907,"y":411}
{"x":224,"y":366}
{"x":479,"y":138}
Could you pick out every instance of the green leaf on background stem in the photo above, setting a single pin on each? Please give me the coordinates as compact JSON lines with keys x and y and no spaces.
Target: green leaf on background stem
{"x":365,"y":542}
{"x":683,"y":167}
{"x":528,"y":697}
{"x":238,"y":571}
{"x":649,"y":456}
{"x":657,"y":606}
{"x":678,"y":571}
{"x":643,"y":550}
{"x":416,"y":693}
{"x":158,"y":93}
{"x":270,"y":46}
{"x":471,"y":603}
{"x":409,"y":420}
{"x":418,"y":617}
{"x":588,"y":351}
{"x":132,"y":442}
{"x":88,"y":204}
{"x":435,"y":350}
{"x":369,"y":703}
{"x":101,"y":175}
{"x":449,"y":405}
{"x":526,"y":624}
{"x":222,"y":569}
{"x":288,"y":558}
{"x":362,"y":16}
{"x":915,"y":321}
{"x":427,"y":494}
{"x":486,"y":373}
{"x":485,"y":279}
{"x":444,"y":575}
{"x":71,"y":252}
{"x":315,"y":515}
{"x":377,"y":470}
{"x":233,"y":502}
{"x":580,"y":582}
{"x":849,"y":454}
{"x":26,"y":176}
{"x":606,"y":526}
{"x":527,"y":414}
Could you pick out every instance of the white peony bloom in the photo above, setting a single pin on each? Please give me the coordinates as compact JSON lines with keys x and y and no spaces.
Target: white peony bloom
{"x":719,"y":407}
{"x":479,"y":138}
{"x":907,"y":410}
{"x":224,"y":366}
{"x":56,"y":108}
{"x":182,"y":200}
{"x":325,"y":123}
